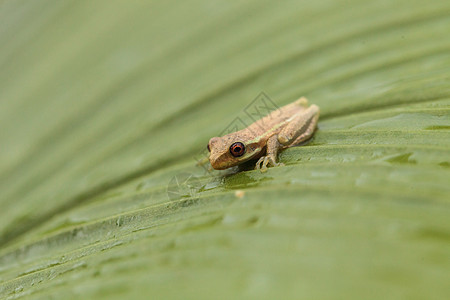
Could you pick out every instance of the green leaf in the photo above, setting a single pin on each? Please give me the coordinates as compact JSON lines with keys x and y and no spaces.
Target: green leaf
{"x":106,"y":105}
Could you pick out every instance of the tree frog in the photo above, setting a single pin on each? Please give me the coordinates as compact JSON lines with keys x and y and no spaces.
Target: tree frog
{"x":282,"y":128}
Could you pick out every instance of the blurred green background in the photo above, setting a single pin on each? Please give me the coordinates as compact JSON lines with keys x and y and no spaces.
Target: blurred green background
{"x":103,"y":103}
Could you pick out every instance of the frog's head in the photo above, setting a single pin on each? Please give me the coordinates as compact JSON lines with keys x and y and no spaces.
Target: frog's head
{"x":231,"y":150}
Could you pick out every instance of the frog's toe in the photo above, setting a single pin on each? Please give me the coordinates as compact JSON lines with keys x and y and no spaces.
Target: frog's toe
{"x":258,"y":163}
{"x":266,"y":161}
{"x":261,"y":164}
{"x":273,"y":163}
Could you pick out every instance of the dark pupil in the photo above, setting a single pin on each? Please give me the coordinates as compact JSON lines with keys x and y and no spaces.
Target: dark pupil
{"x":237,"y":149}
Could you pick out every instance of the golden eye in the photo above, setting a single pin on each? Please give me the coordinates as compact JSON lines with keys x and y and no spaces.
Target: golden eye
{"x":237,"y":149}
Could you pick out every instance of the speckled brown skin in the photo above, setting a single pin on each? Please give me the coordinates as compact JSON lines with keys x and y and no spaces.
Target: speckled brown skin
{"x":282,"y":128}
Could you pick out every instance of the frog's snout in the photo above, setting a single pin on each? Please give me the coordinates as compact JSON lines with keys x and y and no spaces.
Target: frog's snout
{"x":216,"y":162}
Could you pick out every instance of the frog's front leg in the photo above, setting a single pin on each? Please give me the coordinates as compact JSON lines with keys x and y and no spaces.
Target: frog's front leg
{"x":270,"y":159}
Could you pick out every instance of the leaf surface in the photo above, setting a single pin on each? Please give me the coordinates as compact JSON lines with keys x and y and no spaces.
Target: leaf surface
{"x":104,"y":105}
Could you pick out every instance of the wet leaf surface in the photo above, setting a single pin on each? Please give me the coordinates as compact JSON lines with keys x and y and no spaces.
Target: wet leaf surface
{"x":105,"y":107}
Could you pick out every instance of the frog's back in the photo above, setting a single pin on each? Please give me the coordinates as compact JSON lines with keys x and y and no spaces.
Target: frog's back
{"x":276,"y":120}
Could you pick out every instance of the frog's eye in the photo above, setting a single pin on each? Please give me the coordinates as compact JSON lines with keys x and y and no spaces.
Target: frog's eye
{"x":207,"y":147}
{"x":237,"y":149}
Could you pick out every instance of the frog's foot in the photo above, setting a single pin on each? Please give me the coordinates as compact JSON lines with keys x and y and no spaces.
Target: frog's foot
{"x":266,"y":161}
{"x":302,"y":102}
